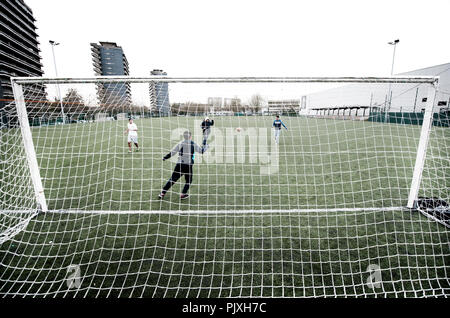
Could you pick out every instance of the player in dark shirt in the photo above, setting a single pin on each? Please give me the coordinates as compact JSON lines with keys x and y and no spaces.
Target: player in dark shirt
{"x":186,"y":152}
{"x":277,"y":123}
{"x":206,"y":128}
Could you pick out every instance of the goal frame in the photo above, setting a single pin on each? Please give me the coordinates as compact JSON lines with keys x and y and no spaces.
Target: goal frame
{"x":17,"y":83}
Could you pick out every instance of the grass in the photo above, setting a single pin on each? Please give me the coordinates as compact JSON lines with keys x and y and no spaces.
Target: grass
{"x":322,"y":164}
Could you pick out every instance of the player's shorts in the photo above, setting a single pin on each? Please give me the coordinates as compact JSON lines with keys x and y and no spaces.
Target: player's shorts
{"x":133,"y":139}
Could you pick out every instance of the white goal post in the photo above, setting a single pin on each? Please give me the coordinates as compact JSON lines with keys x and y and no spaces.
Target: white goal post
{"x":423,"y":143}
{"x":29,"y":146}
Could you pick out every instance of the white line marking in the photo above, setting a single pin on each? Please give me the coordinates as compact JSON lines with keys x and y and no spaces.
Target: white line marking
{"x":216,"y":211}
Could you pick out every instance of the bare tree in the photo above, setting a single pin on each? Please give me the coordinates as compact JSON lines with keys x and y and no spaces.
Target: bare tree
{"x":73,"y":98}
{"x":74,"y":104}
{"x":255,"y":103}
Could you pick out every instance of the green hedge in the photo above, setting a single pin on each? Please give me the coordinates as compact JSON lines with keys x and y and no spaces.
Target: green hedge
{"x":439,"y":119}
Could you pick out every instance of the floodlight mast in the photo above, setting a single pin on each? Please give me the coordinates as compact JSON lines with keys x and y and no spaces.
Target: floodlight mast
{"x":53,"y":44}
{"x":394,"y":43}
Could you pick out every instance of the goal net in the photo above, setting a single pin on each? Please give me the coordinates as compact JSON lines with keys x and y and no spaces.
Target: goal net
{"x":345,"y":193}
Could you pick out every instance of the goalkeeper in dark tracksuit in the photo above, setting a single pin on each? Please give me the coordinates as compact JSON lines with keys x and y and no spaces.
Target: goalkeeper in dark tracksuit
{"x":206,"y":128}
{"x":186,"y":153}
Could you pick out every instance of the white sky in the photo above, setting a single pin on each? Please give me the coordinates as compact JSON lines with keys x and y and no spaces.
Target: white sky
{"x":246,"y":37}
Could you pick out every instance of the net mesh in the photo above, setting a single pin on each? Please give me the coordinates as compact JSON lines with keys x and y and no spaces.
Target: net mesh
{"x":314,"y":210}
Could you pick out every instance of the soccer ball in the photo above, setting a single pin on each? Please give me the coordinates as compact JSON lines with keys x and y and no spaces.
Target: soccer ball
{"x":238,"y":129}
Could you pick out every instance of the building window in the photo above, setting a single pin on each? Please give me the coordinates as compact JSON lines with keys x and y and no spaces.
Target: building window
{"x":424,"y":99}
{"x":442,"y":103}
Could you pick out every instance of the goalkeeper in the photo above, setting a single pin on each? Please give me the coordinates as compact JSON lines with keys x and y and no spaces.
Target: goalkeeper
{"x":186,"y":153}
{"x":277,"y":123}
{"x":206,"y":127}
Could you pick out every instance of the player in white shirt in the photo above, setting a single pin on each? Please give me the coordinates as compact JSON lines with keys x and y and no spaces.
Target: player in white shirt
{"x":132,"y":135}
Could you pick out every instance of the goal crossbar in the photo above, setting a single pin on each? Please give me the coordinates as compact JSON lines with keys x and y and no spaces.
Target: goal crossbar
{"x":146,"y":79}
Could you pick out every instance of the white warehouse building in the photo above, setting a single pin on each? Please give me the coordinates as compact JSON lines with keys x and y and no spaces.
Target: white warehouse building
{"x":405,"y":97}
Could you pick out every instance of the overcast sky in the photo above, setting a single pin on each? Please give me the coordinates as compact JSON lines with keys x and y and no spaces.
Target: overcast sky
{"x":246,"y":37}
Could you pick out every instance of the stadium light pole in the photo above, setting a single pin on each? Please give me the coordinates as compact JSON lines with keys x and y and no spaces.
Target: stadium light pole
{"x":394,"y":43}
{"x":53,"y":44}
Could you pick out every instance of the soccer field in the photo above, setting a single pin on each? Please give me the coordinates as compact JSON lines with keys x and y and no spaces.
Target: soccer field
{"x":331,"y":206}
